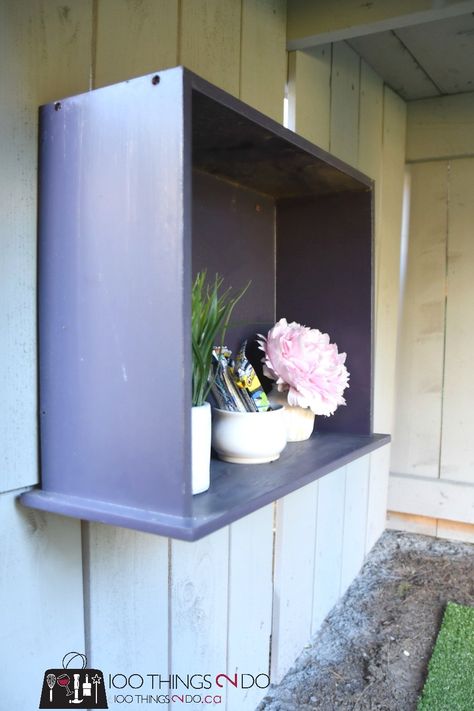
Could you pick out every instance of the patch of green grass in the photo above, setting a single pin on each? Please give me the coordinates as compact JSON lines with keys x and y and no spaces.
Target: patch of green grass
{"x":450,"y":682}
{"x":403,"y":589}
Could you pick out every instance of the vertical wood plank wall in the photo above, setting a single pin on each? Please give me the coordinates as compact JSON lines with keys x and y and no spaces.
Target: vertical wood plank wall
{"x":43,"y":54}
{"x":258,"y":589}
{"x":432,"y":480}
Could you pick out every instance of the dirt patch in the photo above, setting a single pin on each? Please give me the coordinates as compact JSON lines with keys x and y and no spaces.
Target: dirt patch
{"x":372,"y":651}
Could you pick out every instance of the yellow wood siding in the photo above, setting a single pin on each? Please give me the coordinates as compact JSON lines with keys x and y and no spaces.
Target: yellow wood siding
{"x":209,"y":41}
{"x":457,"y":442}
{"x":344,"y":121}
{"x":387,"y":251}
{"x":416,"y":446}
{"x":263,"y":55}
{"x":440,"y":128}
{"x":309,"y":94}
{"x":134,"y":38}
{"x":433,"y":447}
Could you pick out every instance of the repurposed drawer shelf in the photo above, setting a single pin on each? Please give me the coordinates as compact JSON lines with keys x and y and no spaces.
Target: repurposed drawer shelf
{"x":141,"y":185}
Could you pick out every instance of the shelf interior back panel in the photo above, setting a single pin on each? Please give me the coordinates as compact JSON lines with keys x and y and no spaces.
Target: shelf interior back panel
{"x":324,"y":277}
{"x":234,"y":235}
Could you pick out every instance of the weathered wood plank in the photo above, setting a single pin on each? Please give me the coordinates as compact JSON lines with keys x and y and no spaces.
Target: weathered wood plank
{"x":370,"y":145}
{"x":41,"y":595}
{"x":377,"y":496}
{"x":199,"y":574}
{"x":388,"y":261}
{"x":293,"y":578}
{"x":263,"y":65}
{"x":399,"y":68}
{"x":328,"y":552}
{"x":417,"y":433}
{"x":370,"y":148}
{"x":250,"y":604}
{"x":457,"y":446}
{"x":355,"y":520}
{"x":344,"y":136}
{"x":371,"y":126}
{"x":209,"y":41}
{"x":443,"y":52}
{"x":134,"y":38}
{"x":440,"y":128}
{"x":411,"y":523}
{"x":455,"y":531}
{"x":312,"y":23}
{"x":309,"y":94}
{"x":44,"y":54}
{"x":436,"y":498}
{"x":52,"y":43}
{"x":126,"y":584}
{"x":441,"y":528}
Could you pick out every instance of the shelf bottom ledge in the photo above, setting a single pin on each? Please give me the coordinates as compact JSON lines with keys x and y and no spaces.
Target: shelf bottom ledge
{"x":236,"y":490}
{"x":110,"y":513}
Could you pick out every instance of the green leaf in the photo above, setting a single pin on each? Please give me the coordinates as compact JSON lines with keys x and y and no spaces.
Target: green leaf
{"x":211,"y":312}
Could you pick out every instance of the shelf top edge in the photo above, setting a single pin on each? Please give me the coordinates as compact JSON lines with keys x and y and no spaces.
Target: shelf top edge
{"x":198,"y":83}
{"x":193,"y":82}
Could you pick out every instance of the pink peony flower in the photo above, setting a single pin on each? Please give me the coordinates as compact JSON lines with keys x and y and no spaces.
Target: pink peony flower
{"x":306,"y":366}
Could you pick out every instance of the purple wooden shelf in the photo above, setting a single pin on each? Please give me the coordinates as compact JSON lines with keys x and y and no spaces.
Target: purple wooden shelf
{"x":236,"y":490}
{"x":142,"y":184}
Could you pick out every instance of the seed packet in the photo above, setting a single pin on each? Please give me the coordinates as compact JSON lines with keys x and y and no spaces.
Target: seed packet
{"x":247,"y":380}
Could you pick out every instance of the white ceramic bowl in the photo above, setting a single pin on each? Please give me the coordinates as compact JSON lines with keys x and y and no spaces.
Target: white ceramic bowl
{"x":248,"y":437}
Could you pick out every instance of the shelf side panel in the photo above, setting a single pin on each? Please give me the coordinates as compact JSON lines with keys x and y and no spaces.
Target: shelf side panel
{"x":114,"y":296}
{"x":324,"y":280}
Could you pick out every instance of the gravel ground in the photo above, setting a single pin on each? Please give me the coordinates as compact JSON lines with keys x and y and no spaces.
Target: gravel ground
{"x":372,"y":651}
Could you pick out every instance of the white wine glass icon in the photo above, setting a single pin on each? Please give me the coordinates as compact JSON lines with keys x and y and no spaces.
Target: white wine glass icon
{"x":51,"y":680}
{"x":64,"y":680}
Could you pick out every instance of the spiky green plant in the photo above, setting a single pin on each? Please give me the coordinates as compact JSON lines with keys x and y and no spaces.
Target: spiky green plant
{"x":211,"y":312}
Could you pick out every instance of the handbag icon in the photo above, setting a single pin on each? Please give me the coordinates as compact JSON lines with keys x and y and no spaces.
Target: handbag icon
{"x":68,"y":687}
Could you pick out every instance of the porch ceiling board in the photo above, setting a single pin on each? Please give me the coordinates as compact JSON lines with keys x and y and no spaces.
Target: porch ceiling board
{"x":445,"y":50}
{"x":421,"y":49}
{"x":311,"y":24}
{"x":399,"y":67}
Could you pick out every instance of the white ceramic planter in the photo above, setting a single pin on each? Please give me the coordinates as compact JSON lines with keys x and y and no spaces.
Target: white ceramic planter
{"x":201,"y":447}
{"x":299,"y":420}
{"x":248,"y":437}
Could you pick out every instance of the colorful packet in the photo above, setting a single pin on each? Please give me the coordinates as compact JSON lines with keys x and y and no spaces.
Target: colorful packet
{"x":247,"y":380}
{"x":223,"y":388}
